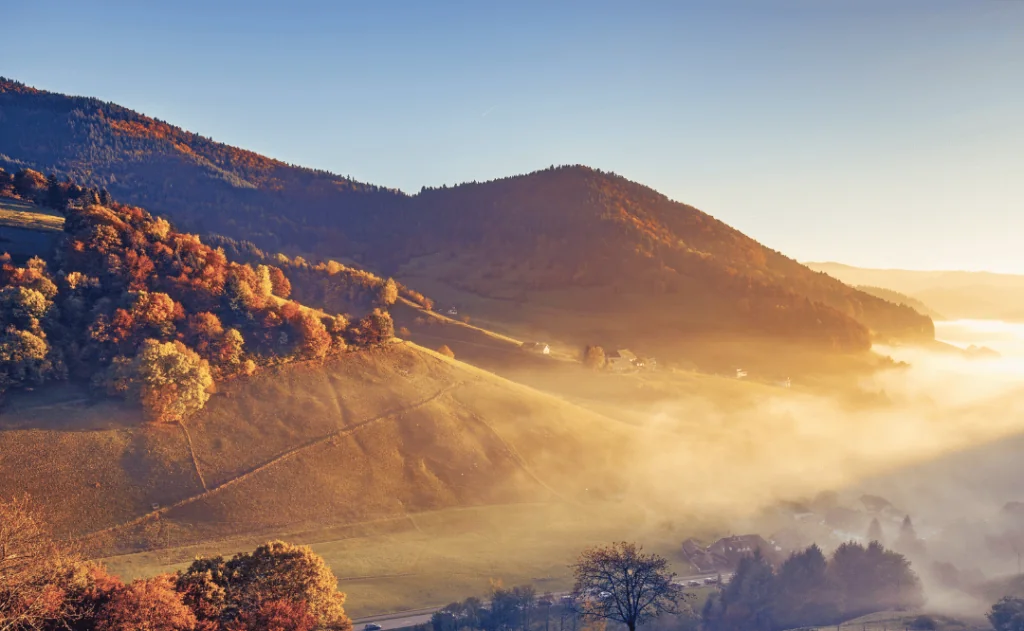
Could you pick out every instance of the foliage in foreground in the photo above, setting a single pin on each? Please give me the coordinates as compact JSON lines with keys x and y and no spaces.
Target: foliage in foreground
{"x":44,"y":586}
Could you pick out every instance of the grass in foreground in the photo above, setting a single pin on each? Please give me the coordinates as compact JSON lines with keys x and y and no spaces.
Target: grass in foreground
{"x":439,"y":557}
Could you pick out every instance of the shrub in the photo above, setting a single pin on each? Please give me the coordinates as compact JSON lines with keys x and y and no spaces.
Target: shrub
{"x":447,"y":352}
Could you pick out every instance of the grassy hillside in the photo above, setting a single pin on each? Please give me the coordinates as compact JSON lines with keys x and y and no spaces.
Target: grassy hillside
{"x":572,"y":239}
{"x":955,"y":294}
{"x":26,"y":229}
{"x":418,"y":477}
{"x":375,"y":435}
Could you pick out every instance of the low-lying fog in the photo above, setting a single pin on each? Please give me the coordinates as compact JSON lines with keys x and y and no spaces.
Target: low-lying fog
{"x":940,"y":440}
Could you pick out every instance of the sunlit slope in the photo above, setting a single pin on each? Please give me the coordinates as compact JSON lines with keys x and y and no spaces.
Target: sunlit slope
{"x":373,"y":435}
{"x":26,"y":229}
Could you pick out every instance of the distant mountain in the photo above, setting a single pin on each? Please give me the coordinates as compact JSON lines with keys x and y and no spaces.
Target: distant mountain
{"x":955,"y":294}
{"x":572,"y":252}
{"x":896,"y":297}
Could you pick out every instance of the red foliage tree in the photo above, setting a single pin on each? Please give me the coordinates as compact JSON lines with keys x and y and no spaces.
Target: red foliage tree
{"x":275,"y":615}
{"x":146,"y":605}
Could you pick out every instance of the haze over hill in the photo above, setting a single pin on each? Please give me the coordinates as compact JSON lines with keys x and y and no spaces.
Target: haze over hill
{"x":547,"y":250}
{"x":954,"y":294}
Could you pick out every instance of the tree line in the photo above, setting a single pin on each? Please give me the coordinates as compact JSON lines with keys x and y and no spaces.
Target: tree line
{"x":809,"y":589}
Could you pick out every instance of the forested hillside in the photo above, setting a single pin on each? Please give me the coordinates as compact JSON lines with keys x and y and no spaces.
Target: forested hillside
{"x":148,"y":312}
{"x":532,"y":239}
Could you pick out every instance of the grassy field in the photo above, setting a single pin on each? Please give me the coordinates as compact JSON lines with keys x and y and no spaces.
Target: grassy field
{"x":27,"y":230}
{"x":18,"y":214}
{"x":433,"y":558}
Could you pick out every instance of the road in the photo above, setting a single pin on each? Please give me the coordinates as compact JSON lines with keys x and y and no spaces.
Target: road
{"x":411,"y":618}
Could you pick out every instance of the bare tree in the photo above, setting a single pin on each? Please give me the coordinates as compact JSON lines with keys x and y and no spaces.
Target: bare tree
{"x":621,"y":583}
{"x":32,"y":569}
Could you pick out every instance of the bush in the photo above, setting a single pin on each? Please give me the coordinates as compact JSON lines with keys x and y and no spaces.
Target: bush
{"x":447,"y":352}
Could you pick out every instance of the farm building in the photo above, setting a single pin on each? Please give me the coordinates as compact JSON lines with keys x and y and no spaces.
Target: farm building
{"x":622,"y":360}
{"x":541,"y":348}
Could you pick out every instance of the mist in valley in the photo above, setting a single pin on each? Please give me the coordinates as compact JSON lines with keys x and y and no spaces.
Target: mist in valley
{"x":937,"y":438}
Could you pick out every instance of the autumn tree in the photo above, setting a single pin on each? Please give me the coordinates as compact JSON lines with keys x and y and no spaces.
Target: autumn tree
{"x":36,"y":571}
{"x":168,"y":378}
{"x":376,"y":327}
{"x":593,"y":357}
{"x":622,"y":584}
{"x":275,"y":615}
{"x":313,"y":341}
{"x":447,"y":352}
{"x":146,"y":605}
{"x":276,"y":571}
{"x":279,"y":283}
{"x":388,"y":293}
{"x":29,"y":183}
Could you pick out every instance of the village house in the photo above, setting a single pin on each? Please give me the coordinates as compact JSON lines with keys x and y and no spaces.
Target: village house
{"x":725,"y":554}
{"x":541,"y":348}
{"x":621,"y":360}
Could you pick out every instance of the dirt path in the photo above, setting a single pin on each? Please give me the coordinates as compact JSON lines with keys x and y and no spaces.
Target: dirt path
{"x":192,"y":453}
{"x":282,"y":457}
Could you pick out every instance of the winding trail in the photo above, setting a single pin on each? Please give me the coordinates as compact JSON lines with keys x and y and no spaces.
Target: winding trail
{"x":192,"y":453}
{"x":345,"y":431}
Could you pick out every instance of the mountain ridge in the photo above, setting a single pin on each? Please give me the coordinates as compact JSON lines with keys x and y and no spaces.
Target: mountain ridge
{"x":564,"y":229}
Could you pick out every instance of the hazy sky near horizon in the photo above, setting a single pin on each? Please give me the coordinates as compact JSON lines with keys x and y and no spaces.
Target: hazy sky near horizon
{"x":884,"y":133}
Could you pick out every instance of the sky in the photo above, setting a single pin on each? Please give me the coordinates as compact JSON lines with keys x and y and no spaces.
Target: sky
{"x":881,"y":133}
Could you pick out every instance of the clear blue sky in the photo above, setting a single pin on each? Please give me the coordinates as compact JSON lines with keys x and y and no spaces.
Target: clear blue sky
{"x":872,"y":132}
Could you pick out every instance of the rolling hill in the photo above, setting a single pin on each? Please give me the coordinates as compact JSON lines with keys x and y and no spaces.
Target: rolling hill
{"x":955,"y":294}
{"x":374,"y":435}
{"x":896,"y":297}
{"x":573,"y":252}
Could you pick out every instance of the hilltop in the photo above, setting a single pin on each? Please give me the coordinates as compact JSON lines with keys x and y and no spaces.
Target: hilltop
{"x":546,"y":251}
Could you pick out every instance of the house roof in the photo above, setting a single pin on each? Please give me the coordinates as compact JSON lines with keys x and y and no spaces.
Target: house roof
{"x":623,"y":354}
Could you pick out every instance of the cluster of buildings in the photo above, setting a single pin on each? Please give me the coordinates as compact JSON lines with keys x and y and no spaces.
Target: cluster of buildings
{"x":725,"y":554}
